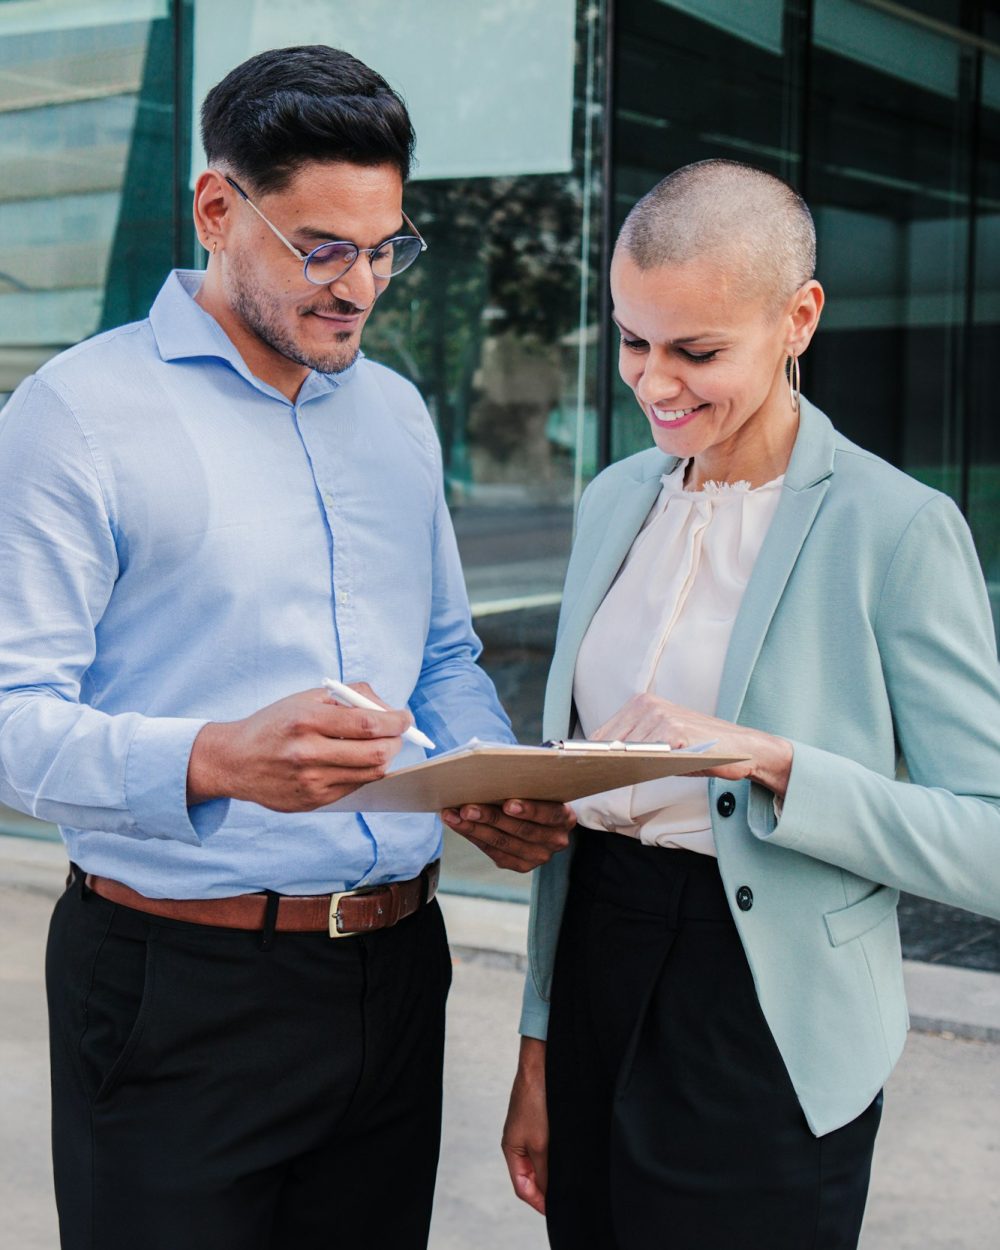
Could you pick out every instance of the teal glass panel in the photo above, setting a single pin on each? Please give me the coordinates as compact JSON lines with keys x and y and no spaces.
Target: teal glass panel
{"x":86,"y":144}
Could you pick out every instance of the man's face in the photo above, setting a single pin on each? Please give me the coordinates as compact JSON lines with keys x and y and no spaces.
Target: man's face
{"x":315,"y":326}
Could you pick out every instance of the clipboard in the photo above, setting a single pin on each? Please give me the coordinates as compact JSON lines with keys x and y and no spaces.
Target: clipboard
{"x":484,"y":772}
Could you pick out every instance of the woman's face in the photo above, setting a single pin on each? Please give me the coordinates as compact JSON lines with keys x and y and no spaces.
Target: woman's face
{"x":705,"y":363}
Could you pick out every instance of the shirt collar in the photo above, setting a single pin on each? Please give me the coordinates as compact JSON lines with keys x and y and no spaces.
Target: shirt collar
{"x":185,"y":331}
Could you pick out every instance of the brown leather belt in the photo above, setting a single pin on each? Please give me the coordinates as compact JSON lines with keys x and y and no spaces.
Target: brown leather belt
{"x":344,"y":914}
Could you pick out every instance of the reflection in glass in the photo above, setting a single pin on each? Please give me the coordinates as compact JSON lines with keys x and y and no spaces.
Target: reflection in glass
{"x":496,"y":326}
{"x":983,"y":485}
{"x":86,"y":147}
{"x":888,"y":180}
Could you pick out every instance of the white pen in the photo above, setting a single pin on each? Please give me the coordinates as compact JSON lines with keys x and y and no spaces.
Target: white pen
{"x":351,"y":697}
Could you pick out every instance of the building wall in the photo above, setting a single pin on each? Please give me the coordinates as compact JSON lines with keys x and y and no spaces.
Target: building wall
{"x":886,"y":116}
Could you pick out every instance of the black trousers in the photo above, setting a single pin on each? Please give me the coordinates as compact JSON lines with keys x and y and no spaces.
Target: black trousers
{"x":212,"y":1093}
{"x":673,"y":1122}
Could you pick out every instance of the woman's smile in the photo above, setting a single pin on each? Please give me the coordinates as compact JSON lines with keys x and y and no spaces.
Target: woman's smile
{"x":675,"y":417}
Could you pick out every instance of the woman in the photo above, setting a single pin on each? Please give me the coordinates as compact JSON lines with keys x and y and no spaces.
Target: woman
{"x":727,"y":996}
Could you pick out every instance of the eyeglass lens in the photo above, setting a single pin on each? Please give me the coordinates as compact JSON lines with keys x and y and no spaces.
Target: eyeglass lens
{"x":328,"y":262}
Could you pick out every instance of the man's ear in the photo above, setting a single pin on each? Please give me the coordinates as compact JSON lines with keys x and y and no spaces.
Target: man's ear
{"x":212,"y":209}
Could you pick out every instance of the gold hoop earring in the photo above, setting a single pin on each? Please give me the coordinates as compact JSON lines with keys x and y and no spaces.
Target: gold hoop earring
{"x":794,"y":382}
{"x":215,"y":245}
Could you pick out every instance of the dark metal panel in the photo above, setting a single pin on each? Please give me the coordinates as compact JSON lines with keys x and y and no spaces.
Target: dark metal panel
{"x":606,"y":354}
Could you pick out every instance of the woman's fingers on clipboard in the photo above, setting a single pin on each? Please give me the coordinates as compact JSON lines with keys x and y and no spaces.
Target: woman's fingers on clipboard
{"x":646,"y":717}
{"x":520,"y":835}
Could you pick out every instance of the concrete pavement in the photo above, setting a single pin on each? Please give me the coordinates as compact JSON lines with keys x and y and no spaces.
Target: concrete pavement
{"x":936,"y":1183}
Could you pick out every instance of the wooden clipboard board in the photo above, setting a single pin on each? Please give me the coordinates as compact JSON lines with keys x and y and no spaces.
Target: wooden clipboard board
{"x":486,"y":773}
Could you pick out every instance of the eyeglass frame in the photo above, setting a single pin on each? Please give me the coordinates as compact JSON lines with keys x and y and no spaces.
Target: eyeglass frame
{"x":305,"y":257}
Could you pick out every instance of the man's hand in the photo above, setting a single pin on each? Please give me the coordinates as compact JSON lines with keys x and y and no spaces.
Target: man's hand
{"x":525,"y":1141}
{"x":296,"y":754}
{"x":520,"y":835}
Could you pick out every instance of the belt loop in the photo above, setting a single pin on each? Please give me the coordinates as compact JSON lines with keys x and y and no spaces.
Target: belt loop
{"x":76,"y":879}
{"x":266,"y":939}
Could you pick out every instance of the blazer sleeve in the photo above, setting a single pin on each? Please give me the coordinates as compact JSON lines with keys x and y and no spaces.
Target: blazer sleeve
{"x":936,"y":835}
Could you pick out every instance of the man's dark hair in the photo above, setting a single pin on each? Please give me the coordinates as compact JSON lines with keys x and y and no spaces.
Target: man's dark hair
{"x":286,"y":107}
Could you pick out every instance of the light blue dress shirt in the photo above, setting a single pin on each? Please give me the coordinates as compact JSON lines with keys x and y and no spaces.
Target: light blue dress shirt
{"x":179,"y":543}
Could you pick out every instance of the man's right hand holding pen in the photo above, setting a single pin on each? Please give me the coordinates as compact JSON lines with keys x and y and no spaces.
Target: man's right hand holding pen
{"x":297,"y":754}
{"x":305,"y":751}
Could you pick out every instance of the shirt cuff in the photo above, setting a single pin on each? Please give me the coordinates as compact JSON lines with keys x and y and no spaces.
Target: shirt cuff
{"x":534,"y":1012}
{"x":156,"y":780}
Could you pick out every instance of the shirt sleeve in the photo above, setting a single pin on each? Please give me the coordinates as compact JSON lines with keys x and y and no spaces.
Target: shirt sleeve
{"x":936,"y":835}
{"x":60,"y":759}
{"x":454,"y":699}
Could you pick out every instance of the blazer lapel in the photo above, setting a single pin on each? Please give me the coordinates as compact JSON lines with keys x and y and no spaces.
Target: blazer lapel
{"x":807,"y":480}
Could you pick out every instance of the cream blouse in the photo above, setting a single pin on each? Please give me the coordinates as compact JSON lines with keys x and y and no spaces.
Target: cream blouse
{"x":664,"y":627}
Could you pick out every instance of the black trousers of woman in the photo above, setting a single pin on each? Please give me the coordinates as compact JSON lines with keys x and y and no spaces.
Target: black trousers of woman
{"x":215,"y":1089}
{"x":673,"y":1122}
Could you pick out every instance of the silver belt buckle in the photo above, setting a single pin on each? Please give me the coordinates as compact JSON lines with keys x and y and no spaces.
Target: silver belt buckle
{"x":334,"y":927}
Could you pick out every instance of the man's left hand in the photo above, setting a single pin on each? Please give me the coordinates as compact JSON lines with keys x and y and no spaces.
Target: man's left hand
{"x":520,"y":835}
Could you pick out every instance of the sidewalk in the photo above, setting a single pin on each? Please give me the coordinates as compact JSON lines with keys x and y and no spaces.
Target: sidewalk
{"x":936,"y":1183}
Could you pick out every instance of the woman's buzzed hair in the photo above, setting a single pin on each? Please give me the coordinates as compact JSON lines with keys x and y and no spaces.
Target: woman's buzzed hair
{"x":756,"y":225}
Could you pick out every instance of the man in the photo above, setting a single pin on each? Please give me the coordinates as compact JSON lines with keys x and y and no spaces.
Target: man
{"x":201,"y":514}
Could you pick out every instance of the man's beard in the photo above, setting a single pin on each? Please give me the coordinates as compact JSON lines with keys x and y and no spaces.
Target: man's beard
{"x":262,"y":314}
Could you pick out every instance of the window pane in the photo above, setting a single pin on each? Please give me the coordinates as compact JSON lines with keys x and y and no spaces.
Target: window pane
{"x":888,"y":181}
{"x":495,"y":322}
{"x":86,"y":143}
{"x":984,"y":429}
{"x":496,"y":325}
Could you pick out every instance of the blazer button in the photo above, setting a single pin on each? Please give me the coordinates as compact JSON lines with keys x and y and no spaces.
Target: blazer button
{"x":726,"y":804}
{"x":744,"y":898}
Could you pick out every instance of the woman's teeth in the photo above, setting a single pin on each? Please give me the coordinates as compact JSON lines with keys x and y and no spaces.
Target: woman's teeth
{"x":676,"y":414}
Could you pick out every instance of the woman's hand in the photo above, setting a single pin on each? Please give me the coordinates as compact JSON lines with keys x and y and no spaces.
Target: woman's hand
{"x":648,"y":718}
{"x":525,"y":1141}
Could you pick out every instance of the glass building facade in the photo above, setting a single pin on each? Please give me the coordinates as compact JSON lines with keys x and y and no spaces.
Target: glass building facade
{"x":539,"y":123}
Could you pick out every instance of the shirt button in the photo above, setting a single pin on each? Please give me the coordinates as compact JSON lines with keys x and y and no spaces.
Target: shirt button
{"x":344,"y":597}
{"x":328,"y":499}
{"x":726,"y":804}
{"x":744,"y":898}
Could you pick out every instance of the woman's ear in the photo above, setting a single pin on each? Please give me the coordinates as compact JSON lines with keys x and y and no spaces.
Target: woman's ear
{"x":804,"y":315}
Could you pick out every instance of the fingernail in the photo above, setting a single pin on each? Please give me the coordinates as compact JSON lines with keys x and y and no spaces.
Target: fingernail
{"x":472,"y":813}
{"x":513,"y":809}
{"x":450,"y":818}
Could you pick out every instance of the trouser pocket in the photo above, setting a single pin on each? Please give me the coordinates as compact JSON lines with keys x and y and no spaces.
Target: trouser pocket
{"x":101,"y":975}
{"x":118,"y":1007}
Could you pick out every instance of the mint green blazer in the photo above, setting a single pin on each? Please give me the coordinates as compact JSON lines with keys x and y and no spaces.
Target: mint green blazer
{"x":865,"y":637}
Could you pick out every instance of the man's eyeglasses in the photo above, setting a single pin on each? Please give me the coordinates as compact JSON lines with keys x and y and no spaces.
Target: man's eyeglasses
{"x":330,"y":261}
